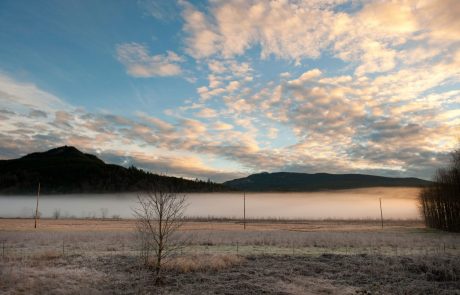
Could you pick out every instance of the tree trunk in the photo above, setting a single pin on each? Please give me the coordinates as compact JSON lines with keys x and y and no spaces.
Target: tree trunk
{"x":158,"y":268}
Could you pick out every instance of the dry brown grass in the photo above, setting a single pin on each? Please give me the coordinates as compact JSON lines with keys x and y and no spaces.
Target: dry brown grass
{"x":47,"y":255}
{"x":192,"y":263}
{"x":397,"y":260}
{"x":29,"y":279}
{"x":127,"y":225}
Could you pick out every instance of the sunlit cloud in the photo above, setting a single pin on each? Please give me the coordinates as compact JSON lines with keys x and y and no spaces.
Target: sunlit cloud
{"x":139,"y":63}
{"x":308,"y":86}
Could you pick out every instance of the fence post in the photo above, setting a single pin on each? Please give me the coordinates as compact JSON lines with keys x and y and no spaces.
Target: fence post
{"x":36,"y":208}
{"x":237,"y":250}
{"x":63,"y":248}
{"x":3,"y":249}
{"x":244,"y":210}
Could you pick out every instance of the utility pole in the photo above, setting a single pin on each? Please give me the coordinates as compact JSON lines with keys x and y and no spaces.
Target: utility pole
{"x":36,"y":208}
{"x":244,"y":210}
{"x":381,"y":213}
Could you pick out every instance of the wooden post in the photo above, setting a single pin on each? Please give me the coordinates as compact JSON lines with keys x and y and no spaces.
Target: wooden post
{"x":3,"y":249}
{"x":36,"y":208}
{"x":381,"y":212}
{"x":244,"y":210}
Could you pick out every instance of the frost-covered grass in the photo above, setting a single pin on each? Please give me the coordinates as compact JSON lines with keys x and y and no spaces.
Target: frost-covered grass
{"x":219,"y":259}
{"x":367,"y":242}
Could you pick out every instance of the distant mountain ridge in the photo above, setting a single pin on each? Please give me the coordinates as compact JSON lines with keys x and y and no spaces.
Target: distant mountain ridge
{"x":67,"y":170}
{"x":64,"y":153}
{"x":288,"y":181}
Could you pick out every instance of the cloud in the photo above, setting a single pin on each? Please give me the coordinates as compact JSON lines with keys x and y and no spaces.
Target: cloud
{"x":170,"y":165}
{"x":22,"y":95}
{"x":232,"y":86}
{"x":202,"y":39}
{"x":375,"y":58}
{"x":214,"y":81}
{"x":139,"y":63}
{"x":272,"y":133}
{"x":285,"y":75}
{"x":206,"y":93}
{"x":440,"y":19}
{"x":385,"y":101}
{"x":393,"y":17}
{"x":352,"y":123}
{"x":369,"y":37}
{"x":206,"y":113}
{"x":62,"y":119}
{"x":222,"y":126}
{"x":305,"y":77}
{"x":161,"y":10}
{"x":330,"y":117}
{"x":217,"y":67}
{"x":282,"y":29}
{"x":157,"y":123}
{"x":37,"y":114}
{"x":152,"y":143}
{"x":194,"y":128}
{"x":239,"y":105}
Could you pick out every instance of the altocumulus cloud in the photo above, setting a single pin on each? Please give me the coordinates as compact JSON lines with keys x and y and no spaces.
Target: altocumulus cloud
{"x":139,"y":63}
{"x":148,"y":142}
{"x":388,"y":104}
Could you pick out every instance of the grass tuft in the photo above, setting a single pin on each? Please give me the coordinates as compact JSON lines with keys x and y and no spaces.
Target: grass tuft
{"x":203,"y":263}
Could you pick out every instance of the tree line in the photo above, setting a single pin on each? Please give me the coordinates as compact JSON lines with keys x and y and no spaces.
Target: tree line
{"x":440,"y":202}
{"x":86,"y":175}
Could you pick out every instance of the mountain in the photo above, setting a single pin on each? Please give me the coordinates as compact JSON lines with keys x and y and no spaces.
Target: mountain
{"x":68,"y":170}
{"x":286,"y":181}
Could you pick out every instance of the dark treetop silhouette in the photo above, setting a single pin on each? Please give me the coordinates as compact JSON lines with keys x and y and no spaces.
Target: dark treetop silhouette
{"x":68,"y":170}
{"x":287,"y":181}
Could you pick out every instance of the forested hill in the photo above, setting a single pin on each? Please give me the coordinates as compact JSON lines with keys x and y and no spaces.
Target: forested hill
{"x":285,"y":181}
{"x":68,"y":170}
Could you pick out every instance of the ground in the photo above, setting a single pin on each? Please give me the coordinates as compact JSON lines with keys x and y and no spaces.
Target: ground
{"x":219,"y":257}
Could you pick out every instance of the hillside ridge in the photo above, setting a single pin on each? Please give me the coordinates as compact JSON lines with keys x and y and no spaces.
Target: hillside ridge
{"x":295,"y":181}
{"x":66,"y":169}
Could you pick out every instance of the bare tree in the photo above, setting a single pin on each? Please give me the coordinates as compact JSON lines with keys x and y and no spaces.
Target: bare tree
{"x":159,"y":215}
{"x":440,"y":202}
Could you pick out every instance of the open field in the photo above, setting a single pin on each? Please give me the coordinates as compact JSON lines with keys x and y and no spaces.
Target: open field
{"x":271,"y":257}
{"x":127,"y":225}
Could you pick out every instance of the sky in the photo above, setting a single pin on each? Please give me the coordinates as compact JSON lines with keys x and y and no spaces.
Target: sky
{"x":222,"y":89}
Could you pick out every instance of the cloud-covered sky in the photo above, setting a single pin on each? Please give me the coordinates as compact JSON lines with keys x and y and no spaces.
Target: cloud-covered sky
{"x":221,"y":89}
